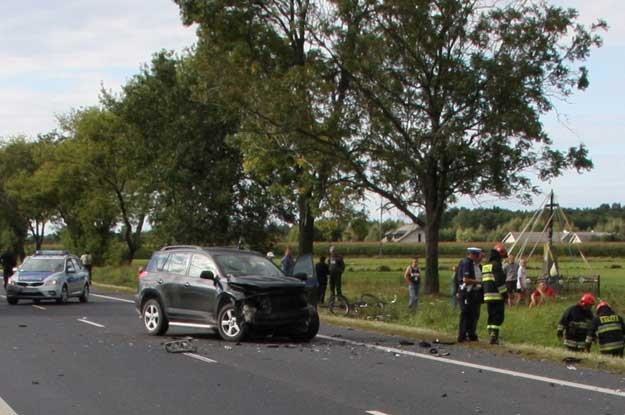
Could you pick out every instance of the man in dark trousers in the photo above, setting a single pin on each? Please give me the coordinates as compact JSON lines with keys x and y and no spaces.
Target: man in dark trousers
{"x":9,"y":261}
{"x":469,"y":294}
{"x":322,"y":270}
{"x":495,"y":292}
{"x":608,"y":330}
{"x":576,"y":323}
{"x":337,"y":267}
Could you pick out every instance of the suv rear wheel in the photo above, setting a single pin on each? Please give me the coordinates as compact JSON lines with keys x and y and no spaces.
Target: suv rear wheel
{"x":230,"y":326}
{"x":154,"y":318}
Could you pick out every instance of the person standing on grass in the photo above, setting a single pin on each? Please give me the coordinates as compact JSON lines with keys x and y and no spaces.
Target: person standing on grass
{"x":412,"y":275}
{"x":287,"y":264}
{"x":608,"y":330}
{"x":337,"y":267}
{"x":521,"y":281}
{"x":512,"y":270}
{"x":576,"y":323}
{"x":322,"y":271}
{"x":87,"y":261}
{"x":495,"y":292}
{"x":9,"y":261}
{"x":454,"y":285}
{"x":469,"y":295}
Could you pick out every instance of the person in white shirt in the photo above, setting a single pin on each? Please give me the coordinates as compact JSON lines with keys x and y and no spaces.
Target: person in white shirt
{"x":87,"y":261}
{"x":521,"y":281}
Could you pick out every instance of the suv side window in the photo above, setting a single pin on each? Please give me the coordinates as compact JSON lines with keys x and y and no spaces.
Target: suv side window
{"x":158,"y":261}
{"x":201,"y":263}
{"x":177,"y":263}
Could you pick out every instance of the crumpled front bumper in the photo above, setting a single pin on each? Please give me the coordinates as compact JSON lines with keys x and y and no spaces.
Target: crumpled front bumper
{"x":260,"y":318}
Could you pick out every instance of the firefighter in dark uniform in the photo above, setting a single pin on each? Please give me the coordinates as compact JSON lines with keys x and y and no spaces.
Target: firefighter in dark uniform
{"x":495,"y":292}
{"x":468,"y":279}
{"x":608,"y":329}
{"x":576,"y":322}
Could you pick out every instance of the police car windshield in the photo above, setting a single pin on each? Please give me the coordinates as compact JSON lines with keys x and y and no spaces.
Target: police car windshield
{"x":246,"y":264}
{"x":43,"y":265}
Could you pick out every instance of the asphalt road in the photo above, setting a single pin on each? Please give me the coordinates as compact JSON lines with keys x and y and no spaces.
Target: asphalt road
{"x":96,"y":359}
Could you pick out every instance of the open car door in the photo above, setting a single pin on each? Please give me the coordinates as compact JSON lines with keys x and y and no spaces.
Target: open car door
{"x":304,"y":270}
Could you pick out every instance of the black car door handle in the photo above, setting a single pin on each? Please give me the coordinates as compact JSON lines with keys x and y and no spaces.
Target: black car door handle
{"x":186,"y":284}
{"x":160,"y":281}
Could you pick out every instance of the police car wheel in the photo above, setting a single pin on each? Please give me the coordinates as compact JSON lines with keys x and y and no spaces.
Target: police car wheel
{"x":64,"y":296}
{"x":84,"y":297}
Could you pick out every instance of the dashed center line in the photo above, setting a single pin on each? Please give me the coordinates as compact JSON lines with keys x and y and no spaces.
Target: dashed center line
{"x":3,"y":296}
{"x":376,"y":413}
{"x":38,"y":307}
{"x":201,"y":358}
{"x":83,"y":320}
{"x":5,"y":409}
{"x":123,"y":300}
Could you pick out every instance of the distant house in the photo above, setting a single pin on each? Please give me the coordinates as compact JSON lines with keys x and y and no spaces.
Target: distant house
{"x":561,"y":237}
{"x":406,"y":234}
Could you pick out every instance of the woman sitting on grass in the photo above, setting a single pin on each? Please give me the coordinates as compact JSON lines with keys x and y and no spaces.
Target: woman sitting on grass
{"x":541,"y":294}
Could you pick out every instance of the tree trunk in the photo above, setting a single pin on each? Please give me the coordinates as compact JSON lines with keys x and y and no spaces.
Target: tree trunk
{"x":306,"y":226}
{"x":432,"y":229}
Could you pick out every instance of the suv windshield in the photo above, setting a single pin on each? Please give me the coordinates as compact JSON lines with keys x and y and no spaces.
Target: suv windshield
{"x":43,"y":265}
{"x":245,"y":264}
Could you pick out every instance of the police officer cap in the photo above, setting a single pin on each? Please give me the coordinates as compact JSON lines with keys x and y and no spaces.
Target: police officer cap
{"x":474,"y":250}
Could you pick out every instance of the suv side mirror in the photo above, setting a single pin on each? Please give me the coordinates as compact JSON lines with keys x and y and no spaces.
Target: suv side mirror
{"x":207,"y":275}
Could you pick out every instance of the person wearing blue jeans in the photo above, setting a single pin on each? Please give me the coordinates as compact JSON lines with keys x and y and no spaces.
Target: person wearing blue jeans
{"x":412,"y":275}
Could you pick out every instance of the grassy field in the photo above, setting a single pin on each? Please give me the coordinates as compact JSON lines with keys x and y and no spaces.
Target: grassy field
{"x":383,"y":277}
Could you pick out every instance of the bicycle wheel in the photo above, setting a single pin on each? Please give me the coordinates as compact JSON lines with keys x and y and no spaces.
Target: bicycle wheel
{"x":338,"y":305}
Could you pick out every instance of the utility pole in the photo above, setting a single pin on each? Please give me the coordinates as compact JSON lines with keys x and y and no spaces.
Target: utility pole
{"x":549,"y":256}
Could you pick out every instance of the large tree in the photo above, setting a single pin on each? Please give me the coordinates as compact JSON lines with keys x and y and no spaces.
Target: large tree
{"x":291,"y":100}
{"x":452,"y":93}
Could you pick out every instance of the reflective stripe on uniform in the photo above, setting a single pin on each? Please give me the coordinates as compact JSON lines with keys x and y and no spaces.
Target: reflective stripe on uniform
{"x":487,"y":268}
{"x":488,"y":277}
{"x":493,"y":327}
{"x":502,"y":289}
{"x":609,"y":327}
{"x":492,"y":297}
{"x":611,"y":346}
{"x":575,"y":344}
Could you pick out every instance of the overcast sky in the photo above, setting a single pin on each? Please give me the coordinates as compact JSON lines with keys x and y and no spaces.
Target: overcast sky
{"x":56,"y":54}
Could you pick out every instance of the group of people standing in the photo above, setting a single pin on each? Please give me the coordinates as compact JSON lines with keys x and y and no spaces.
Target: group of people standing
{"x":330,"y":271}
{"x":478,"y":283}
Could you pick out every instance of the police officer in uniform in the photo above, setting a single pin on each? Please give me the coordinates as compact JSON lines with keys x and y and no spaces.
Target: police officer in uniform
{"x":608,"y":330}
{"x":469,"y":294}
{"x":495,"y":292}
{"x":576,"y":323}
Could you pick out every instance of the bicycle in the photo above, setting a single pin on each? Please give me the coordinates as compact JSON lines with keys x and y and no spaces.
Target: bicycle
{"x":367,"y":304}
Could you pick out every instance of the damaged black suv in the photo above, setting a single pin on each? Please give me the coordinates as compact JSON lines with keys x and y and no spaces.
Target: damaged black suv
{"x":232,"y":291}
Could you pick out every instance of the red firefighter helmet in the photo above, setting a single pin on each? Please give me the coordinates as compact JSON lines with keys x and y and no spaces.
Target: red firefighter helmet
{"x":587,"y":300}
{"x":501,"y":248}
{"x":602,"y":304}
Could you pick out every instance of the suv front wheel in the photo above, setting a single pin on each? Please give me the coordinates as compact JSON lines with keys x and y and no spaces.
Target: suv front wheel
{"x":230,"y":326}
{"x":154,"y":318}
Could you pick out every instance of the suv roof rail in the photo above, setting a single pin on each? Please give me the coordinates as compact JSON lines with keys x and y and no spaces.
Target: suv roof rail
{"x":170,"y":247}
{"x":51,"y":252}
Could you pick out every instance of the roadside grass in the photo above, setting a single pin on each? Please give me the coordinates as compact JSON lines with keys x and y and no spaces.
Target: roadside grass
{"x":119,"y":276}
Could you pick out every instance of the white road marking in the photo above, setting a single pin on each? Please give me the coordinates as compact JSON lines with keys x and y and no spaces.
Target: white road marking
{"x":3,"y":296}
{"x":82,"y":320}
{"x":39,"y":307}
{"x":376,"y":413}
{"x":198,"y":357}
{"x":607,"y":391}
{"x":196,"y":325}
{"x":5,"y":409}
{"x":123,"y":300}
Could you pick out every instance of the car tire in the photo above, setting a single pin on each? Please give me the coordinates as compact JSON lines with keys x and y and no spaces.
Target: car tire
{"x":84,"y":297}
{"x":154,"y":318}
{"x":64,"y":296}
{"x":12,"y":300}
{"x":229,"y":325}
{"x":310,"y":331}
